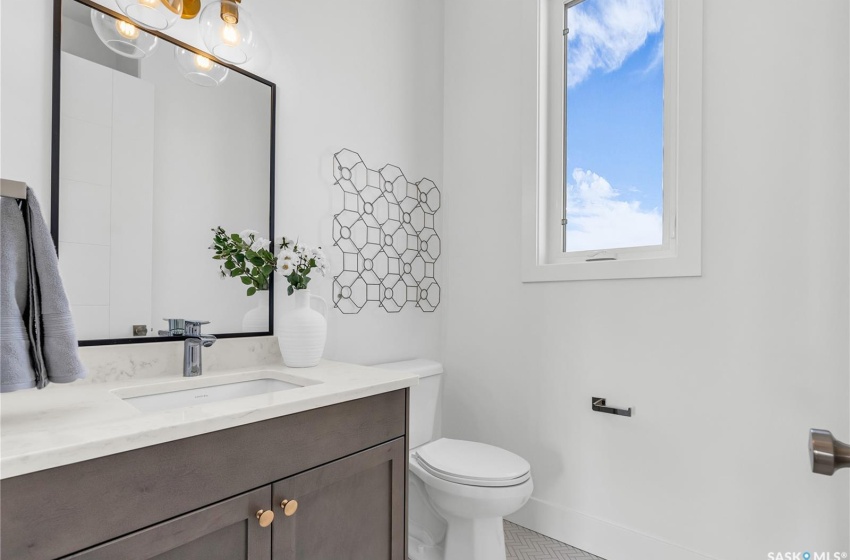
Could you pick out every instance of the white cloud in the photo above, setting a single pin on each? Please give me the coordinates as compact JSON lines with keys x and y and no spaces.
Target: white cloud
{"x":657,"y":58}
{"x":604,"y":33}
{"x":599,"y":219}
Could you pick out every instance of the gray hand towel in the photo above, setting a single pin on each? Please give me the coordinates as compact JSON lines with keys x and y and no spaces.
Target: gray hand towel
{"x":47,"y":317}
{"x":17,"y":369}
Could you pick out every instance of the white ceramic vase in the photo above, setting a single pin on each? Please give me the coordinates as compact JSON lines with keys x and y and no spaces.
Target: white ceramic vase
{"x":304,"y":330}
{"x":257,"y":319}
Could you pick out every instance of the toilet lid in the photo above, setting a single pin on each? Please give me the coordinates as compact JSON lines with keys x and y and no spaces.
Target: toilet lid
{"x":472,"y":463}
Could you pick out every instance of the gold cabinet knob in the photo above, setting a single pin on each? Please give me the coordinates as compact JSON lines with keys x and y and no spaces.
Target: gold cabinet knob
{"x":266,"y":517}
{"x":289,"y":507}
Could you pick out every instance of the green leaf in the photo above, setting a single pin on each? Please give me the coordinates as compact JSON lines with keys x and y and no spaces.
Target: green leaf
{"x":240,"y":257}
{"x":252,"y":290}
{"x":246,"y":280}
{"x":267,"y":270}
{"x":290,"y":290}
{"x":235,"y":237}
{"x":257,"y":261}
{"x":229,"y":265}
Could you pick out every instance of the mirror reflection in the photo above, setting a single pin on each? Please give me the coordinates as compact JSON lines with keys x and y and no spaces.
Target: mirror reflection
{"x":158,"y":145}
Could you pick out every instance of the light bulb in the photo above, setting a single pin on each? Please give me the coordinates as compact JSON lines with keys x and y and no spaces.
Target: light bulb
{"x":230,"y":35}
{"x":127,"y":30}
{"x":203,"y":63}
{"x":199,"y":68}
{"x":121,"y":36}
{"x":152,"y":14}
{"x":228,"y":31}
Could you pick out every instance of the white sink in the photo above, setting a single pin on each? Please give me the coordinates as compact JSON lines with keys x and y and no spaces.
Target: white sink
{"x":201,"y":395}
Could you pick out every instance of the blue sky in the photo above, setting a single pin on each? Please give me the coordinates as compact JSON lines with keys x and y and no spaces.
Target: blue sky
{"x":614,"y":124}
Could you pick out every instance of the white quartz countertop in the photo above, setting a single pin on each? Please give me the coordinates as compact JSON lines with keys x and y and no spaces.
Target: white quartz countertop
{"x":64,"y":424}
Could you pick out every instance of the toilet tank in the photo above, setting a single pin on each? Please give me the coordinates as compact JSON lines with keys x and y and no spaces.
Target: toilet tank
{"x":425,"y":399}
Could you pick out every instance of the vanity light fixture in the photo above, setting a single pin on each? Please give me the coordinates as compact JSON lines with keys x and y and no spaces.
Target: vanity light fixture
{"x":122,"y":37}
{"x":199,"y":69}
{"x":153,"y":14}
{"x":228,"y":31}
{"x":191,"y":9}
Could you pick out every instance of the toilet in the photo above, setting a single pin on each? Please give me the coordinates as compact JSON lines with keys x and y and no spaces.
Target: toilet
{"x":458,"y":491}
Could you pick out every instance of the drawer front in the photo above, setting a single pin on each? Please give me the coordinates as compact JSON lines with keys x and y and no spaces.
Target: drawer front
{"x":56,"y":512}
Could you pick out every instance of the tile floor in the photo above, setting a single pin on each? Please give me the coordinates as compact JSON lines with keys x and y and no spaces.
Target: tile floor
{"x":525,"y":544}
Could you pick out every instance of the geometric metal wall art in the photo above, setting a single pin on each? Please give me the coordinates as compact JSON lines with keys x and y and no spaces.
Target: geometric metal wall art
{"x":387,"y":237}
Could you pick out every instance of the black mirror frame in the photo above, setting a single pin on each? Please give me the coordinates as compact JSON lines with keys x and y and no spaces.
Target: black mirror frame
{"x":54,"y":158}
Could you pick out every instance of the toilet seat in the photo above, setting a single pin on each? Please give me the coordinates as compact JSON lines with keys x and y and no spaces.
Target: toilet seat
{"x":472,"y":463}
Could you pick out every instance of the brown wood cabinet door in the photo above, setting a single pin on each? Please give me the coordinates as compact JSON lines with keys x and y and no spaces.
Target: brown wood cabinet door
{"x":228,"y":530}
{"x":350,"y":509}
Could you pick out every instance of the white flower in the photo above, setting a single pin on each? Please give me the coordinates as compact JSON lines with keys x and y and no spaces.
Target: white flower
{"x":288,"y":255}
{"x":286,"y":266}
{"x":260,"y":243}
{"x":318,"y":257}
{"x":245,"y":234}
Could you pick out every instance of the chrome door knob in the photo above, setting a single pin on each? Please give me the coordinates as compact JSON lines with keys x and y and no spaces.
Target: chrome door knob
{"x":827,"y":454}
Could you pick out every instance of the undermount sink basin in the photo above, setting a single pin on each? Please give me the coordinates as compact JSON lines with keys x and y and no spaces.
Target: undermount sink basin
{"x":203,"y":395}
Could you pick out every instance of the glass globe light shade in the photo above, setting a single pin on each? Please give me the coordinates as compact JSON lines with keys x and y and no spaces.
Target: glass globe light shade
{"x":153,"y":14}
{"x":121,"y":37}
{"x":228,"y":31}
{"x":199,"y":69}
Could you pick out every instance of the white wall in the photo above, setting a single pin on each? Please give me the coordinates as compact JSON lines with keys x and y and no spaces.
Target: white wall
{"x":365,"y":75}
{"x":26,"y":43}
{"x":362,"y":74}
{"x":726,"y":372}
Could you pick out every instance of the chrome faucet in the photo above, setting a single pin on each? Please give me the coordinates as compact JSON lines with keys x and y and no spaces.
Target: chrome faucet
{"x":193,"y":342}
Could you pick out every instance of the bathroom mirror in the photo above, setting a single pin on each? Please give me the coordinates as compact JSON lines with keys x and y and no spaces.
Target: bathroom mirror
{"x":154,"y":144}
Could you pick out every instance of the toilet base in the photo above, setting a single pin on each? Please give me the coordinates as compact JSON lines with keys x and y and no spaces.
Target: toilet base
{"x":417,"y":550}
{"x":475,"y":539}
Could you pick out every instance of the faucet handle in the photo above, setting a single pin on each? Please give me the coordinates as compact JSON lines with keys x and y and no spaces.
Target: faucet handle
{"x":193,"y":328}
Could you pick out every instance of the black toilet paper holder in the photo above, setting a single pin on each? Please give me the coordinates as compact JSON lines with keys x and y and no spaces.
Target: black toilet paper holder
{"x":598,"y":405}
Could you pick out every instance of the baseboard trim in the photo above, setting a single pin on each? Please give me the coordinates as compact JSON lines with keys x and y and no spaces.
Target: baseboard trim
{"x":604,"y":539}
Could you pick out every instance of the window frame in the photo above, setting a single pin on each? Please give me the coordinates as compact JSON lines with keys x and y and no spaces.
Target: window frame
{"x":544,"y":153}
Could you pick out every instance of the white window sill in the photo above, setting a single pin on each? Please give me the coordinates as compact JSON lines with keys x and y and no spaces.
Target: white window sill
{"x":660,"y":265}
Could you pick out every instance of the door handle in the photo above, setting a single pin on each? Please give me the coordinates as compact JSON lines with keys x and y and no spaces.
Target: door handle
{"x":826,"y":453}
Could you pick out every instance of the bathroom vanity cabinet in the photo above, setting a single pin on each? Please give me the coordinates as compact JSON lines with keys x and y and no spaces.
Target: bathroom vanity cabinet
{"x":208,"y":497}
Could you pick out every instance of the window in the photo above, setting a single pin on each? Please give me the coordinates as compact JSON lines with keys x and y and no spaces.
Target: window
{"x":612,"y":188}
{"x":613,"y":114}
